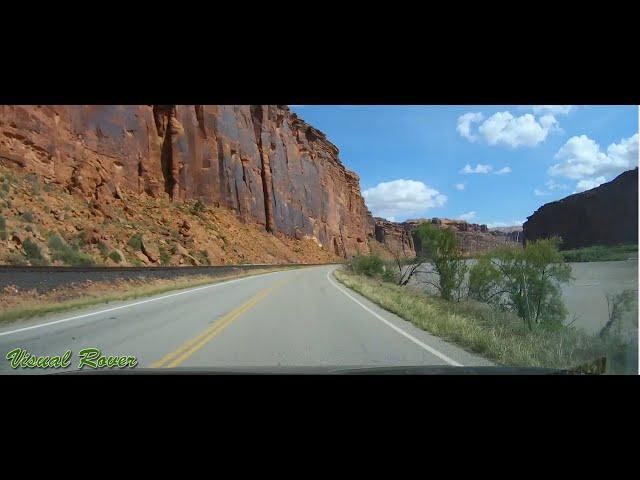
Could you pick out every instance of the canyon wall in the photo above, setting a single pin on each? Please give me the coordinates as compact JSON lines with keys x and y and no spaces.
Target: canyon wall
{"x":605,"y":215}
{"x":261,"y":161}
{"x":395,"y":236}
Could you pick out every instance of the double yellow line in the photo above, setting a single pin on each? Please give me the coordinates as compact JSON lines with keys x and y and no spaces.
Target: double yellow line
{"x":187,"y":349}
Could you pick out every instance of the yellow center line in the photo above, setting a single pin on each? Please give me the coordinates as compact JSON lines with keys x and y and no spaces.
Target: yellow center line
{"x":187,"y":349}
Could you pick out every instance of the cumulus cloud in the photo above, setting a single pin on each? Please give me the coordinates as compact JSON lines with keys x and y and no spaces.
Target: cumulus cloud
{"x":590,"y":183}
{"x":503,"y":171}
{"x":552,"y":109}
{"x":459,"y":186}
{"x":503,"y":128}
{"x":467,"y":216}
{"x":402,"y":198}
{"x":479,"y":168}
{"x":464,"y":125}
{"x":582,"y":159}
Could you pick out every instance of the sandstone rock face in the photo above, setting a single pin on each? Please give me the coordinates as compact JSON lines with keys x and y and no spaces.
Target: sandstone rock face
{"x":261,"y":161}
{"x":395,"y":236}
{"x":605,"y":215}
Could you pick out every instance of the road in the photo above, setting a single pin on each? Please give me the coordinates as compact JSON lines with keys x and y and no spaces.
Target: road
{"x":301,"y":317}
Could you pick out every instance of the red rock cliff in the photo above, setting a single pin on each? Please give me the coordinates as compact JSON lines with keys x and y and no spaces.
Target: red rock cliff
{"x":262,"y":161}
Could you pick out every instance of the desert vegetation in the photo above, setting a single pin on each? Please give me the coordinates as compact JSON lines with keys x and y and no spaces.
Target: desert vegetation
{"x":45,"y":223}
{"x":506,"y":305}
{"x":601,"y":253}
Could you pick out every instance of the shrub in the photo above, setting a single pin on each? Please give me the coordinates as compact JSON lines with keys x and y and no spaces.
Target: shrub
{"x":81,"y":238}
{"x":203,"y":257}
{"x":135,"y":242}
{"x":27,"y":217}
{"x":104,"y":249}
{"x":3,"y":228}
{"x":390,"y":272}
{"x":197,"y":207}
{"x":34,"y":253}
{"x":370,"y":265}
{"x":523,"y":280}
{"x":68,"y":254}
{"x":484,"y":281}
{"x":165,"y":256}
{"x":16,"y":259}
{"x":439,"y":246}
{"x":115,"y":256}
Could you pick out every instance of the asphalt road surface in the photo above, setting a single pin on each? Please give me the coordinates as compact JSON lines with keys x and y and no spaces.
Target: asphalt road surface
{"x":301,"y":317}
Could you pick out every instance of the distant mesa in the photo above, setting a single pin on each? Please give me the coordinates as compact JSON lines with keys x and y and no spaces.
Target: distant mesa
{"x":605,"y":215}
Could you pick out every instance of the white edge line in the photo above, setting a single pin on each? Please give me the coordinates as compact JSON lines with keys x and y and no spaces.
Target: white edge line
{"x":40,"y":325}
{"x":397,"y":329}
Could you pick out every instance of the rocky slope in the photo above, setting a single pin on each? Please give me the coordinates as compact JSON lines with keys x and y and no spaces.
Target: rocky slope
{"x":276,"y":173}
{"x":605,"y":215}
{"x":41,"y":223}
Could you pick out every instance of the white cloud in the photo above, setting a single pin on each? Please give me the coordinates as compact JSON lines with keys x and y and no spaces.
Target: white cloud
{"x":479,"y":168}
{"x":503,"y":171}
{"x":552,"y":109}
{"x":401,"y":198}
{"x":588,"y":184}
{"x":582,"y":159}
{"x":459,"y":186}
{"x":464,"y":125}
{"x":467,"y":216}
{"x":540,"y":193}
{"x":504,"y":128}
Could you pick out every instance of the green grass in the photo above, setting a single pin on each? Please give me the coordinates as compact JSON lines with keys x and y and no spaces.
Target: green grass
{"x":600,"y":253}
{"x":499,"y":336}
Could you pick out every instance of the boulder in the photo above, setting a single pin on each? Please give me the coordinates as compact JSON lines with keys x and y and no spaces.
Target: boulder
{"x":149,"y":249}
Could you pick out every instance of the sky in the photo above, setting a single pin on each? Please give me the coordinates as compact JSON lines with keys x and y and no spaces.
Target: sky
{"x":486,"y":164}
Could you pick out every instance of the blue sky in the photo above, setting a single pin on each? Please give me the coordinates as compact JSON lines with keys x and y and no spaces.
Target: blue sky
{"x":524,"y":156}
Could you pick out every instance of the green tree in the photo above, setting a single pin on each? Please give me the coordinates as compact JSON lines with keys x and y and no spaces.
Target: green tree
{"x":439,"y":247}
{"x":526,"y":281}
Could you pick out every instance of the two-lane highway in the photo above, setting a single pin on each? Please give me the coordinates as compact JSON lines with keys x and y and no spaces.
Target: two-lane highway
{"x":301,"y":317}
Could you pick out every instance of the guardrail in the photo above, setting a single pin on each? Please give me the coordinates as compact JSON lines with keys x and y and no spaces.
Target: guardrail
{"x":48,"y":277}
